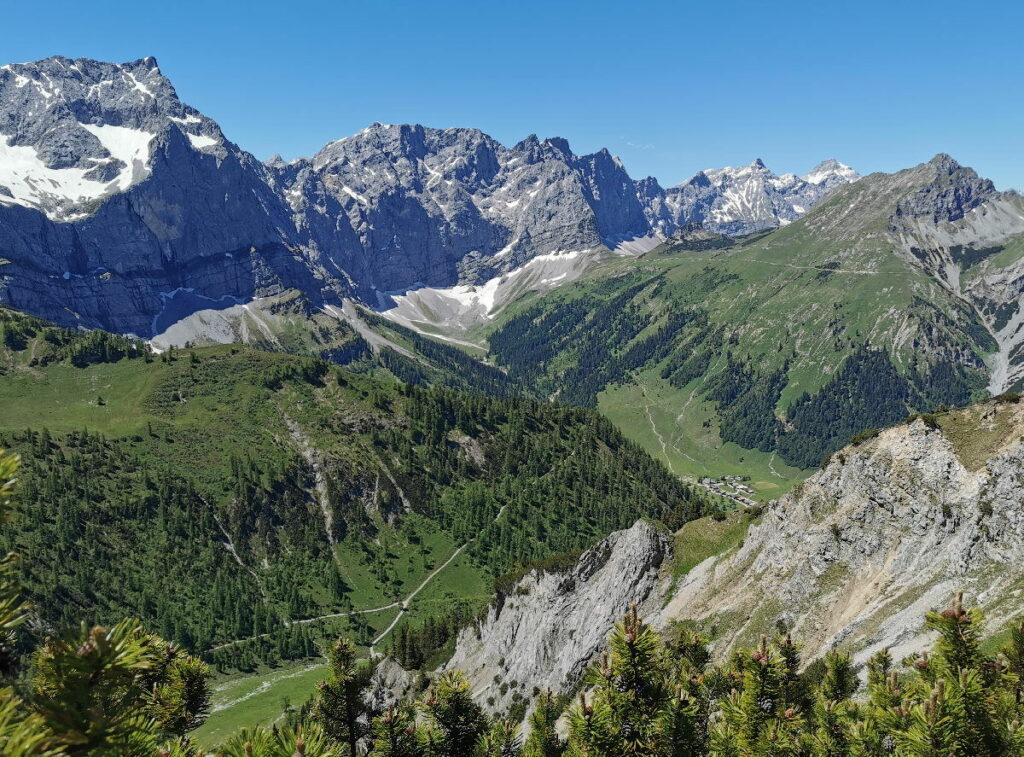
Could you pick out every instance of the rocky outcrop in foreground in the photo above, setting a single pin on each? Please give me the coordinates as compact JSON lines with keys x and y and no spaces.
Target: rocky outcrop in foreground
{"x":887,"y":531}
{"x":545,"y":632}
{"x":853,"y":558}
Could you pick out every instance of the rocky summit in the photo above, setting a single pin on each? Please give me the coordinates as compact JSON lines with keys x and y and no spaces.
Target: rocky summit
{"x":123,"y":208}
{"x":744,"y":200}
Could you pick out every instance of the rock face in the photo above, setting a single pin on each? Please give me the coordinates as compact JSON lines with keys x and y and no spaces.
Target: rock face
{"x":413,"y":206}
{"x":951,"y":193}
{"x":852,"y":559}
{"x":545,"y":632}
{"x":170,"y":217}
{"x":125,"y":209}
{"x":956,"y":227}
{"x":888,"y":530}
{"x":389,"y":683}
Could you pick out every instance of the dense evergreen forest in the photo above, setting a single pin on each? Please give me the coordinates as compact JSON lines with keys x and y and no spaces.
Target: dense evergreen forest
{"x":240,"y":490}
{"x":575,"y":349}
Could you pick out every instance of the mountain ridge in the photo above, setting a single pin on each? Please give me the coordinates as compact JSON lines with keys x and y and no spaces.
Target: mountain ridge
{"x":897,"y":293}
{"x":141,"y":197}
{"x":891,"y":527}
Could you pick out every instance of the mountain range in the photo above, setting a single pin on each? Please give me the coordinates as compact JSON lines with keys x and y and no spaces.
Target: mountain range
{"x":464,"y":403}
{"x":123,"y":208}
{"x":739,"y":308}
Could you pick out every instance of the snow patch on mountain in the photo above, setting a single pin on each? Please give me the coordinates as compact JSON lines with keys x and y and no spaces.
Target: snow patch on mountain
{"x":451,"y":212}
{"x":831,"y":171}
{"x":457,"y":308}
{"x":76,"y":132}
{"x":201,"y":141}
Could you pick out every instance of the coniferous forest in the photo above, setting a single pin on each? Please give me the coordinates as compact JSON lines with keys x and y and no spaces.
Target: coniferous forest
{"x":576,"y":349}
{"x":263,"y":489}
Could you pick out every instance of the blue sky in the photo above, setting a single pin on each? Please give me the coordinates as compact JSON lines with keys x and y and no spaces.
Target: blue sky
{"x":670,"y":87}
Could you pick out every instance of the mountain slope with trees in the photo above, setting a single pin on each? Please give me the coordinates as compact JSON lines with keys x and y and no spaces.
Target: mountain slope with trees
{"x":223,"y":493}
{"x":898,"y":293}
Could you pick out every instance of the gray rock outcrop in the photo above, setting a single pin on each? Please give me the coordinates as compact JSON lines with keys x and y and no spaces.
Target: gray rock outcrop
{"x":887,"y":531}
{"x":390,"y":683}
{"x":853,"y":559}
{"x":549,"y":627}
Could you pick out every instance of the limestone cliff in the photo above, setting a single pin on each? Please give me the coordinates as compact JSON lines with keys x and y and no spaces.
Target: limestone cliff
{"x":544,"y":633}
{"x":886,"y":531}
{"x":852,"y":559}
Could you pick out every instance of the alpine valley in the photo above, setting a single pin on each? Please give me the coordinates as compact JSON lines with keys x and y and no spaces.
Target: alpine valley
{"x":428,"y":418}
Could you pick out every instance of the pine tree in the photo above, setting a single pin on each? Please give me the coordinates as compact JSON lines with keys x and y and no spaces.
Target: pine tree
{"x":117,"y":690}
{"x":21,"y":733}
{"x":395,"y":734}
{"x":457,"y":721}
{"x":309,"y":741}
{"x":543,"y":741}
{"x":637,"y":709}
{"x":339,"y":707}
{"x":592,"y":731}
{"x":501,"y":740}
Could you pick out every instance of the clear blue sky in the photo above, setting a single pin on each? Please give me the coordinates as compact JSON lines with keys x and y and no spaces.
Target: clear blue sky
{"x":670,"y":87}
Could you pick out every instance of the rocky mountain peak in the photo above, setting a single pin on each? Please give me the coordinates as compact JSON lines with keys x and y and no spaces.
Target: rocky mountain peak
{"x":392,"y":208}
{"x":941,"y":190}
{"x":561,"y":144}
{"x":648,"y":188}
{"x":944,"y":162}
{"x":831,"y":172}
{"x":528,"y":143}
{"x":76,"y":131}
{"x":745,"y":199}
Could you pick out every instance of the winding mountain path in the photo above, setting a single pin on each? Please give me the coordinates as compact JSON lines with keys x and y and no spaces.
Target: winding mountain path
{"x":427,"y":580}
{"x":403,"y":604}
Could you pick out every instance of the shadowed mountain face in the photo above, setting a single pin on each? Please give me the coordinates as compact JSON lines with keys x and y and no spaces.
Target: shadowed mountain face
{"x":117,"y":200}
{"x":116,"y":196}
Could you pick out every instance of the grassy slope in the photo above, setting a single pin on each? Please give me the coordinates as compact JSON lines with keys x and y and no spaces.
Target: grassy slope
{"x":669,"y":424}
{"x":808,"y":293}
{"x":64,"y":398}
{"x":235,"y":417}
{"x":706,"y":537}
{"x":227,"y":413}
{"x":248,"y":699}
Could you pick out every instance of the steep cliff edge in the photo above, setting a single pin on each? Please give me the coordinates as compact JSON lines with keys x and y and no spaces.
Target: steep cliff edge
{"x":544,"y":633}
{"x":887,"y":530}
